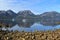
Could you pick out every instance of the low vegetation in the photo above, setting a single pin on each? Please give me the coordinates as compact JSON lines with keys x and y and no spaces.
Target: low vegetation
{"x":37,"y":35}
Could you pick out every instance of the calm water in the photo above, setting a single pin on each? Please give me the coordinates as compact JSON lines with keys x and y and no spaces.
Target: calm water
{"x":31,"y":25}
{"x":35,"y":26}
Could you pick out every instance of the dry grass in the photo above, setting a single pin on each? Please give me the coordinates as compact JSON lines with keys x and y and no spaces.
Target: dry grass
{"x":37,"y":35}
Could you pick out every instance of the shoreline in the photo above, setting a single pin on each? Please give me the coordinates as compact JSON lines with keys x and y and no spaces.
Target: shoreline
{"x":37,"y":35}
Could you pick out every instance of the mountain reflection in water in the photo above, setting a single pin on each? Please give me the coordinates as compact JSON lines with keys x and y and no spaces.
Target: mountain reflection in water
{"x":35,"y":26}
{"x":27,"y":21}
{"x":31,"y":25}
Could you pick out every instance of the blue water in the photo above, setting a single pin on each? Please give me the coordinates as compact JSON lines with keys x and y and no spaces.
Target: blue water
{"x":35,"y":26}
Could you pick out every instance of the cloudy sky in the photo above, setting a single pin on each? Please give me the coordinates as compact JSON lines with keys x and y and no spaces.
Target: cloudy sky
{"x":36,"y":6}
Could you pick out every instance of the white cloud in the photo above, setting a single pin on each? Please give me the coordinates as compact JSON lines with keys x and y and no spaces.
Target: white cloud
{"x":17,"y":4}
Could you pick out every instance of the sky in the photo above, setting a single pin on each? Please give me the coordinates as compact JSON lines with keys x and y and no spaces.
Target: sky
{"x":36,"y":6}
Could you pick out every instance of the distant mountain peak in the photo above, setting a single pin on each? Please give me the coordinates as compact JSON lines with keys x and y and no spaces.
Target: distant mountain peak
{"x":2,"y":11}
{"x":10,"y":11}
{"x":50,"y":18}
{"x":49,"y":13}
{"x":25,"y":13}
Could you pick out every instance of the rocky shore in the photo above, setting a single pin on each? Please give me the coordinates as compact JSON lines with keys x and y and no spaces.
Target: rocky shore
{"x":37,"y":35}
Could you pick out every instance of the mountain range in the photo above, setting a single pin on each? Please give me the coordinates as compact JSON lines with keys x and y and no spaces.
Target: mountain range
{"x":11,"y":18}
{"x":50,"y":18}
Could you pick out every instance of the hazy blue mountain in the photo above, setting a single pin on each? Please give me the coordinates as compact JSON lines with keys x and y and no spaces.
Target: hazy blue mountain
{"x":11,"y":13}
{"x":11,"y":18}
{"x":50,"y":18}
{"x":25,"y":15}
{"x":3,"y":16}
{"x":6,"y":17}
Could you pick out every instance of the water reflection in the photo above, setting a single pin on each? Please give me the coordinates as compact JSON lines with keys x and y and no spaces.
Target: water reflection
{"x":27,"y":25}
{"x":31,"y":25}
{"x":35,"y":26}
{"x":25,"y":22}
